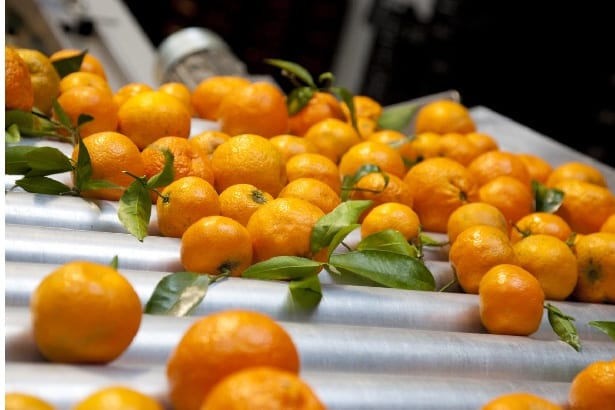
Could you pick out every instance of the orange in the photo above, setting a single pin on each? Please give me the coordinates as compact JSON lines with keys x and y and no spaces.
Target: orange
{"x":89,"y":64}
{"x":183,"y":202}
{"x":511,"y":196}
{"x":208,"y":94}
{"x":365,"y":126}
{"x":179,"y":91}
{"x":397,"y":140}
{"x":322,"y":105}
{"x":209,"y":140}
{"x":312,"y":190}
{"x":551,"y":261}
{"x":592,"y":387}
{"x":290,"y":145}
{"x":540,"y":223}
{"x":18,"y":90}
{"x":383,"y":155}
{"x":262,"y":388}
{"x":511,"y":301}
{"x":493,"y":164}
{"x":372,"y":187}
{"x":118,"y":398}
{"x":188,"y":159}
{"x":391,"y":215}
{"x":425,"y":145}
{"x":250,"y":159}
{"x":586,"y":206}
{"x":439,"y":186}
{"x":595,"y":254}
{"x":44,"y":77}
{"x":313,"y":165}
{"x":520,"y":401}
{"x":128,"y":90}
{"x":474,"y":213}
{"x":609,"y":224}
{"x":576,"y":170}
{"x":21,"y":401}
{"x":111,"y":155}
{"x":79,"y":78}
{"x":257,"y":108}
{"x":92,"y":101}
{"x":150,"y":115}
{"x":444,"y":116}
{"x":283,"y":227}
{"x":216,"y":244}
{"x":458,"y":147}
{"x":239,"y":201}
{"x":75,"y":311}
{"x":476,"y":250}
{"x":364,"y":107}
{"x":538,"y":167}
{"x":332,"y":137}
{"x":220,"y":344}
{"x":482,"y":142}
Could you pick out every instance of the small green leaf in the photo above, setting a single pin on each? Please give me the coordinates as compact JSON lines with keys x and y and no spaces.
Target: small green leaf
{"x":349,"y":182}
{"x":293,"y":70}
{"x":43,"y":185}
{"x":68,"y":65}
{"x":166,"y":176}
{"x":546,"y":199}
{"x":563,"y":327}
{"x":397,"y":118}
{"x":177,"y":294}
{"x":12,"y":134}
{"x":388,"y":240}
{"x":386,"y":268}
{"x":114,"y":262}
{"x":607,"y":327}
{"x":135,"y":208}
{"x":16,"y":159}
{"x":46,"y":161}
{"x":61,"y":114}
{"x":283,"y":268}
{"x":83,"y":118}
{"x":83,"y":169}
{"x":298,"y":98}
{"x":32,"y":124}
{"x":427,"y":240}
{"x":326,"y":80}
{"x":346,"y":96}
{"x":306,"y":292}
{"x":346,"y":213}
{"x":99,"y":184}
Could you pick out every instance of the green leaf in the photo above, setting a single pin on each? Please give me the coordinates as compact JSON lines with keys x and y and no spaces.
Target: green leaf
{"x":326,"y":227}
{"x":386,"y":268}
{"x":298,"y":98}
{"x":68,"y":65}
{"x":83,"y":118}
{"x":607,"y":327}
{"x":345,"y":95}
{"x":31,"y":124}
{"x":177,"y":294}
{"x":397,"y":118}
{"x":293,"y":70}
{"x":388,"y":240}
{"x":16,"y":159}
{"x":283,"y":268}
{"x":326,"y":80}
{"x":164,"y":177}
{"x":546,"y":199}
{"x":135,"y":208}
{"x":83,"y":169}
{"x":43,"y":185}
{"x":114,"y":262}
{"x":12,"y":134}
{"x":339,"y":237}
{"x":349,"y":182}
{"x":306,"y":292}
{"x":46,"y":161}
{"x":61,"y":114}
{"x":563,"y":327}
{"x":427,"y":240}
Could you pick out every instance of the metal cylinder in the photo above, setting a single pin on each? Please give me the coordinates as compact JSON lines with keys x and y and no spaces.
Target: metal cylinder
{"x":192,"y":54}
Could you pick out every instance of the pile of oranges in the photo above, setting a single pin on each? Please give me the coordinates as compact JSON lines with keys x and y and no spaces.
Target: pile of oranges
{"x":255,"y":187}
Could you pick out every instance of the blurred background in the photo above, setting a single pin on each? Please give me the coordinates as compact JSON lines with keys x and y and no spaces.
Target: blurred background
{"x":546,"y":64}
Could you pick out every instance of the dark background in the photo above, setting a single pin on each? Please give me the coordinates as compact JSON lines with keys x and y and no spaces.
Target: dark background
{"x":548,"y":65}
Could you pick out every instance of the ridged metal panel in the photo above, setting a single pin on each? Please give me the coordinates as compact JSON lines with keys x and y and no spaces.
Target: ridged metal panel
{"x":362,"y":348}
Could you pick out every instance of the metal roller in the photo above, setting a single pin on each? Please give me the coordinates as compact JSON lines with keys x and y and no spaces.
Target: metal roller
{"x":54,"y":245}
{"x":343,"y":304}
{"x":337,"y":390}
{"x":382,"y":350}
